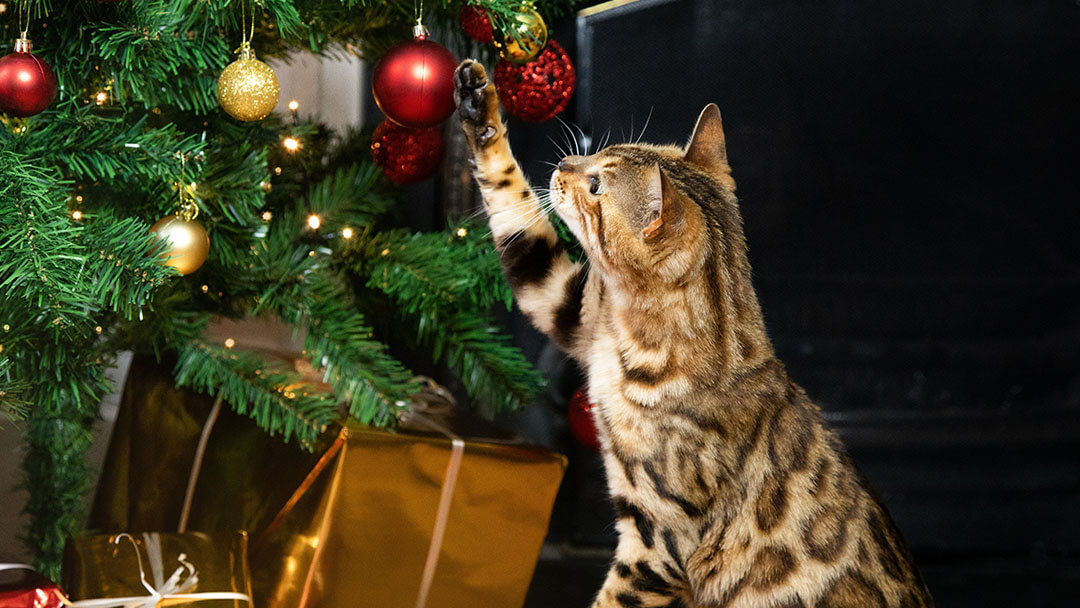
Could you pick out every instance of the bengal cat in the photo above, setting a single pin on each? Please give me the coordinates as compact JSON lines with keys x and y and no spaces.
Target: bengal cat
{"x":728,"y":488}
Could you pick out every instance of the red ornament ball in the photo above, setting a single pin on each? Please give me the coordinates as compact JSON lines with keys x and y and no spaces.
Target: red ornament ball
{"x":407,"y":155}
{"x":582,"y":424}
{"x":27,"y":83}
{"x":538,"y":90}
{"x":477,"y":23}
{"x":414,"y":83}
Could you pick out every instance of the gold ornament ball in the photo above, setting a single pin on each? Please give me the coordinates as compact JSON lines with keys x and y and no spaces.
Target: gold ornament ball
{"x":189,"y":243}
{"x":248,"y":89}
{"x":533,"y":34}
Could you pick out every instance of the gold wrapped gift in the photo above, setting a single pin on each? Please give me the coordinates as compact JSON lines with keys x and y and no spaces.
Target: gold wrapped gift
{"x":445,"y":513}
{"x":150,"y":569}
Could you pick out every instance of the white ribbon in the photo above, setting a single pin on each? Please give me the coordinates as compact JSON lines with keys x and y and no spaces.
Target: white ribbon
{"x":443,"y":514}
{"x":183,"y":579}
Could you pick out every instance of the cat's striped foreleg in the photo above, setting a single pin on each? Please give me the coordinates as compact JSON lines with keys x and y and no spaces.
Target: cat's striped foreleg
{"x":549,"y":288}
{"x":639,"y":579}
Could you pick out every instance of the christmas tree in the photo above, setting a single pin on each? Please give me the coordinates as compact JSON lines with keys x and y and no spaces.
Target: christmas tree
{"x":299,"y":222}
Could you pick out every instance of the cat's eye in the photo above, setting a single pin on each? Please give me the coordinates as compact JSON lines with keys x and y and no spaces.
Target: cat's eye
{"x":594,"y":184}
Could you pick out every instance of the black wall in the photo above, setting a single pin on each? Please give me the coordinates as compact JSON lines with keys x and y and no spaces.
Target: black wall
{"x":910,"y":184}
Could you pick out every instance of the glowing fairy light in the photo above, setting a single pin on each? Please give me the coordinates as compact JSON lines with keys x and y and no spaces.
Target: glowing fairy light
{"x":314,"y":221}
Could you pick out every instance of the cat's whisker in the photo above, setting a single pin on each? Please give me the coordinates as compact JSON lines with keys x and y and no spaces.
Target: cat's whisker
{"x":568,"y":134}
{"x":604,"y":140}
{"x":649,"y":118}
{"x":558,"y":147}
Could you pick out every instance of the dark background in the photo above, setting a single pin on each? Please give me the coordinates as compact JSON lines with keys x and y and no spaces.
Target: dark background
{"x":908,"y":176}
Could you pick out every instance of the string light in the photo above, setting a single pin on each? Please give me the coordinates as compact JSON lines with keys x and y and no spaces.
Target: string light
{"x":462,"y":233}
{"x":314,"y":221}
{"x":76,"y":215}
{"x":78,"y":199}
{"x":294,"y":105}
{"x":3,"y":8}
{"x":346,"y":233}
{"x":277,"y":170}
{"x":291,"y":144}
{"x":229,"y":343}
{"x":205,"y":289}
{"x":98,"y":329}
{"x":7,"y":327}
{"x":267,"y":216}
{"x":101,"y":98}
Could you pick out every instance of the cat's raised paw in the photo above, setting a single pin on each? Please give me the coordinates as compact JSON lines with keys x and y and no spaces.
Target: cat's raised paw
{"x":477,"y":103}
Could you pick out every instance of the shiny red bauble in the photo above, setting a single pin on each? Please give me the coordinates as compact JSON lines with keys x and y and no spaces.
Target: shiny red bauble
{"x":477,"y":23}
{"x":27,"y":83}
{"x":538,"y":90}
{"x":407,"y":155}
{"x":414,"y":83}
{"x":582,"y":424}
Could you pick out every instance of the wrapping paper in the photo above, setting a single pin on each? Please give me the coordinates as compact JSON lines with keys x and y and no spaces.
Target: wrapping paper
{"x":353,"y":523}
{"x":150,"y":569}
{"x":22,"y":587}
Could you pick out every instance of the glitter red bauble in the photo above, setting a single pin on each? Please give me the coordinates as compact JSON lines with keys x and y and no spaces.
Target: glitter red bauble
{"x":27,"y":84}
{"x":407,"y":155}
{"x":477,"y":23}
{"x":414,"y":83}
{"x":538,"y":90}
{"x":582,"y":424}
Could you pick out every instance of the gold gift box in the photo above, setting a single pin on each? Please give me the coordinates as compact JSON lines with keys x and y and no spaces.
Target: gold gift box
{"x":194,"y":567}
{"x":352,"y":524}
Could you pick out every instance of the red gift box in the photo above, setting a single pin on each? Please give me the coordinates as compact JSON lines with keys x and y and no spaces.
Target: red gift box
{"x":22,"y":587}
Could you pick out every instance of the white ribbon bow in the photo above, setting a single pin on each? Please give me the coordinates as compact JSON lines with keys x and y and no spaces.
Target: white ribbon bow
{"x":183,"y":579}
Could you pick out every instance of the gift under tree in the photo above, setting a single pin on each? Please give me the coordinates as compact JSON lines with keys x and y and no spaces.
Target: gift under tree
{"x":127,"y":118}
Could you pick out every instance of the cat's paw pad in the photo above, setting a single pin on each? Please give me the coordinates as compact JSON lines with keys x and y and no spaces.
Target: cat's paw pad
{"x":477,"y":102}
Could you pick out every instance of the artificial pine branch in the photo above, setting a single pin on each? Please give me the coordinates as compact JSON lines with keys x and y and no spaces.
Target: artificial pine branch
{"x":73,"y":292}
{"x":276,"y":398}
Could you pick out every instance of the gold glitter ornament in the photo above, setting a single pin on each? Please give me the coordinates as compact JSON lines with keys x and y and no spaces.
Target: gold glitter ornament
{"x":248,"y":88}
{"x":532,"y":34}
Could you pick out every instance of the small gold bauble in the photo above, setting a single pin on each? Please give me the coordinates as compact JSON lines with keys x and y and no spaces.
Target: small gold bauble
{"x":248,"y":88}
{"x":189,"y":243}
{"x":530,"y":28}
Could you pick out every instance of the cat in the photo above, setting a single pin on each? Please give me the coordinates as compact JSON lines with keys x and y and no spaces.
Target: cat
{"x":729,"y":490}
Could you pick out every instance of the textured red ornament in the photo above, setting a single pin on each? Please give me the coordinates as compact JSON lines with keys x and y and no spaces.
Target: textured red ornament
{"x":407,"y":155}
{"x":582,"y":424}
{"x":27,"y":84}
{"x":538,"y":90}
{"x":477,"y":23}
{"x":414,"y":83}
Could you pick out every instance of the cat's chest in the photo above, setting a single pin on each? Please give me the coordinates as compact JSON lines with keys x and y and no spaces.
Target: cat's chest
{"x":632,"y":428}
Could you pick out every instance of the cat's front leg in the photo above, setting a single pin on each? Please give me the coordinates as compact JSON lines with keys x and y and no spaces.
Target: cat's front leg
{"x":641,"y":578}
{"x":549,"y":288}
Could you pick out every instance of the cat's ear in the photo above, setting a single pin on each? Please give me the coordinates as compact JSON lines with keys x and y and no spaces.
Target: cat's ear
{"x":665,"y":204}
{"x":707,"y":148}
